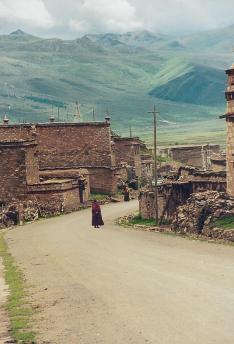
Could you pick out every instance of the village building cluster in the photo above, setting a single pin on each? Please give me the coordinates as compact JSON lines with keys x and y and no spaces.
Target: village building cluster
{"x":202,"y":191}
{"x":56,"y":165}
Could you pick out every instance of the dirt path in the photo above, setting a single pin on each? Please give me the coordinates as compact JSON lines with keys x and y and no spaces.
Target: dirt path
{"x":120,"y":286}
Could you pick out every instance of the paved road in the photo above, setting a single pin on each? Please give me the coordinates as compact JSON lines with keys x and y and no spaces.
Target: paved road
{"x":120,"y":286}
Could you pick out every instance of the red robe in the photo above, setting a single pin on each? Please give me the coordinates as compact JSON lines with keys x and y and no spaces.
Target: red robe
{"x":96,"y":215}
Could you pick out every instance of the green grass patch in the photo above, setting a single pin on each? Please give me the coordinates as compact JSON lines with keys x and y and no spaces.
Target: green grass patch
{"x":98,"y":197}
{"x":137,"y":220}
{"x":226,"y":222}
{"x":19,"y":309}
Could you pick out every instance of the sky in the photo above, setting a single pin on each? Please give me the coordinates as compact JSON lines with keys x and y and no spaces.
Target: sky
{"x":74,"y":18}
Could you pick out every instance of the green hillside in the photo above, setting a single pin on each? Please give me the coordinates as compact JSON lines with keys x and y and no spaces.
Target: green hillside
{"x":207,"y":86}
{"x":124,"y":74}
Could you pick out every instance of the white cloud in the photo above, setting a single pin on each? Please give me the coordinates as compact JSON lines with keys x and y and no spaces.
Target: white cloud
{"x":71,"y":18}
{"x":104,"y":15}
{"x":32,"y":13}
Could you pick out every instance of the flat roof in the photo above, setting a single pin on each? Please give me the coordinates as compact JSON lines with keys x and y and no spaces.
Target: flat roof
{"x":55,"y":124}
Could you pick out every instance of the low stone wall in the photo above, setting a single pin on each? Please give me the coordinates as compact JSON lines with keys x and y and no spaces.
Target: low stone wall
{"x":217,"y":233}
{"x":60,"y":196}
{"x":172,"y":194}
{"x":201,"y":211}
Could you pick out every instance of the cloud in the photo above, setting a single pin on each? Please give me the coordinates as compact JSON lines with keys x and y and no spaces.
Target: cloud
{"x":105,"y":16}
{"x":71,"y":18}
{"x":29,"y":13}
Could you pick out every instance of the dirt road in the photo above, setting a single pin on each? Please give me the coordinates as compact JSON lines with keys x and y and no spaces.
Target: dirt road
{"x":120,"y":286}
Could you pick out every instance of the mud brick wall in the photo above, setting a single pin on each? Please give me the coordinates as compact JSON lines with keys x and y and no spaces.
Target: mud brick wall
{"x":68,"y":145}
{"x":173,"y":195}
{"x":53,"y":198}
{"x":68,"y":174}
{"x":15,"y":132}
{"x":32,"y":165}
{"x":170,"y":196}
{"x":54,"y":202}
{"x":104,"y":180}
{"x":71,"y":200}
{"x":16,"y":162}
{"x":192,"y":155}
{"x":128,"y":150}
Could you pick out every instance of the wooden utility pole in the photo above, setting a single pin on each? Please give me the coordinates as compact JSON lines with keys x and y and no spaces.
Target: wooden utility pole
{"x":94,"y":115}
{"x":155,"y":113}
{"x":78,"y":114}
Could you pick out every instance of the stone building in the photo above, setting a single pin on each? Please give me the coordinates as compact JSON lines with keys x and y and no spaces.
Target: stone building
{"x":172,"y":194}
{"x":230,"y":130}
{"x":135,"y":155}
{"x":70,"y":147}
{"x":19,"y":168}
{"x":66,"y":149}
{"x":20,"y":180}
{"x":218,"y":162}
{"x":192,"y":155}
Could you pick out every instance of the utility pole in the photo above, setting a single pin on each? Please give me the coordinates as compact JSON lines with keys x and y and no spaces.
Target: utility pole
{"x":78,"y":115}
{"x":58,"y":114}
{"x":155,"y":113}
{"x":94,"y":115}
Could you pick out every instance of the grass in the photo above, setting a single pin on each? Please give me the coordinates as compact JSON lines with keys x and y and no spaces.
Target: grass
{"x":98,"y":197}
{"x":19,"y":309}
{"x":137,"y":220}
{"x":226,"y":222}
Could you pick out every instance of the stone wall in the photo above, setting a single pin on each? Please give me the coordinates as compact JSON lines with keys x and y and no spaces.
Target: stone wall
{"x":200,"y":212}
{"x":75,"y":174}
{"x":18,"y":166}
{"x":218,"y":162}
{"x":55,"y":197}
{"x":104,"y":180}
{"x":171,"y":195}
{"x":193,"y":155}
{"x":66,"y":144}
{"x":127,"y":150}
{"x":189,"y":173}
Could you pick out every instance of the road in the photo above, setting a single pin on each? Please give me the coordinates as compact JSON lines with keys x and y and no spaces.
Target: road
{"x":119,"y":286}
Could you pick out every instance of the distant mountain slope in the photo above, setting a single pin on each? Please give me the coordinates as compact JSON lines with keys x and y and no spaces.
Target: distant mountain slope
{"x":122,"y":73}
{"x":200,"y":85}
{"x":216,"y":39}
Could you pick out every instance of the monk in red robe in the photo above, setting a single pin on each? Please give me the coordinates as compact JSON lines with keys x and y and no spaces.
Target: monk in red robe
{"x":96,"y":215}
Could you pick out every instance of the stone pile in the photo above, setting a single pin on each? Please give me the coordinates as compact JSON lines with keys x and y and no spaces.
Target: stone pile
{"x":201,"y":211}
{"x":30,"y":212}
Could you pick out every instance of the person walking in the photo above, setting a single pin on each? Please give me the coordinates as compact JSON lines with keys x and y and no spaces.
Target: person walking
{"x":126,"y":194}
{"x":96,"y":215}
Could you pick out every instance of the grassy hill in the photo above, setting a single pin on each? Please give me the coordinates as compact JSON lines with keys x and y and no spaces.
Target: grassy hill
{"x":124,"y":74}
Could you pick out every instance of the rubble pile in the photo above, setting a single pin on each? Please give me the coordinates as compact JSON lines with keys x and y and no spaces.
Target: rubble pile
{"x":19,"y":213}
{"x":201,"y":211}
{"x":30,"y":212}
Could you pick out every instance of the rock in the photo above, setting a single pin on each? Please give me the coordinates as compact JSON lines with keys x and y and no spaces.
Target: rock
{"x":200,"y":211}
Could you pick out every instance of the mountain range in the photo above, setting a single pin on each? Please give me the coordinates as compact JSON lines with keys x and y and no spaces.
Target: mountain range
{"x":124,"y":75}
